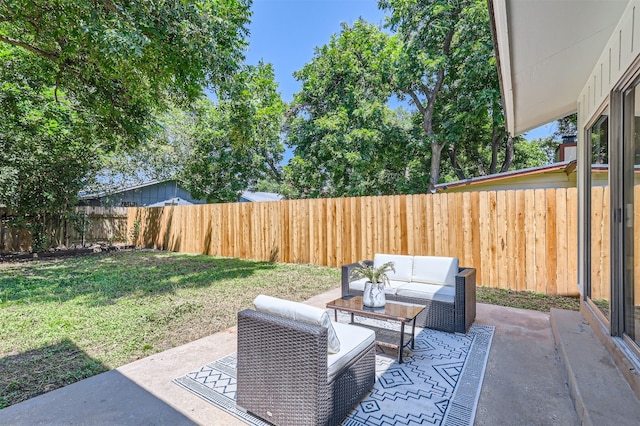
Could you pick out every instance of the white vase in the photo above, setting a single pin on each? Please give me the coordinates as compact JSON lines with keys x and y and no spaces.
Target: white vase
{"x":373,"y":296}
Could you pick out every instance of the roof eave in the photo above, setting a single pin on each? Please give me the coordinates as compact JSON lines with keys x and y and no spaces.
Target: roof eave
{"x":500,"y":32}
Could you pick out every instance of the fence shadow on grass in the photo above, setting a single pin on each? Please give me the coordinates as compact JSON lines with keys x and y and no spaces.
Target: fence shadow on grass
{"x":44,"y":369}
{"x":103,"y":278}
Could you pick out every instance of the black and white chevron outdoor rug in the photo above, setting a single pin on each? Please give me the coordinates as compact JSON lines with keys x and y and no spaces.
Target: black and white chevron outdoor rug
{"x":438,"y":384}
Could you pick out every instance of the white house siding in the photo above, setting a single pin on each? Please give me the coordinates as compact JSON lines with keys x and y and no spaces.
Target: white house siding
{"x":616,"y":58}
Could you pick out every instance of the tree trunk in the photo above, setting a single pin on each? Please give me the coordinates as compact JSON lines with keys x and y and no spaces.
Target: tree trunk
{"x":436,"y":156}
{"x":496,"y":141}
{"x":453,"y":156}
{"x":508,"y":158}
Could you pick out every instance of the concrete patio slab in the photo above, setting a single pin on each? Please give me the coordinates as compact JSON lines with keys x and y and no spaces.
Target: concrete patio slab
{"x":523,"y":384}
{"x":601,"y":394}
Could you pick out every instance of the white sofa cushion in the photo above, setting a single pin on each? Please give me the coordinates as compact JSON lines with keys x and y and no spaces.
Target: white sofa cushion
{"x":299,"y":312}
{"x":403,"y":265}
{"x":354,"y":340}
{"x":435,"y":270}
{"x":390,"y":289}
{"x":441,"y":293}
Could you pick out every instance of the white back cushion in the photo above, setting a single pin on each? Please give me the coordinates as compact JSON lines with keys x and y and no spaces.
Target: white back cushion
{"x":402,"y":263}
{"x":435,"y":270}
{"x":299,"y":312}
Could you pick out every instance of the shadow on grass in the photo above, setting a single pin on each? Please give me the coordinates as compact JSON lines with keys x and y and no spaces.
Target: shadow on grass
{"x":104,"y":278}
{"x":41,"y":370}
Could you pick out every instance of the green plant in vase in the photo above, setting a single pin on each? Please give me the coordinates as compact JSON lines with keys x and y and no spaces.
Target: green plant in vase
{"x":377,"y":279}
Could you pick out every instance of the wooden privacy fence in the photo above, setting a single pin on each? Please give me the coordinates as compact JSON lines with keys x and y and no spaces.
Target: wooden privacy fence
{"x":520,"y":240}
{"x":98,"y":223}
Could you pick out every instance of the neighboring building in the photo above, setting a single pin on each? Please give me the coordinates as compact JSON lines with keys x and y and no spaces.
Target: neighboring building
{"x":558,"y":175}
{"x":148,"y":194}
{"x":567,"y":150}
{"x":557,"y":57}
{"x":254,"y":197}
{"x":158,"y":194}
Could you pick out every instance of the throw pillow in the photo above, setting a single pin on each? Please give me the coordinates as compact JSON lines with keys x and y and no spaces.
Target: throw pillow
{"x":300,"y":312}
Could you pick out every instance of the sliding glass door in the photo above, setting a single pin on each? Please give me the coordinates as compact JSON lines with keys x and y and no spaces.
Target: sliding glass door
{"x":631,"y":214}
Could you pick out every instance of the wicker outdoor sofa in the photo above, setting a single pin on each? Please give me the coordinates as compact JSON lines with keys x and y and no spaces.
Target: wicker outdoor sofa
{"x":286,"y":371}
{"x":447,"y":290}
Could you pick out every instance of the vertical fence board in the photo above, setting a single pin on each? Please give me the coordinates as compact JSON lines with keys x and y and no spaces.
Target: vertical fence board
{"x":346,"y":243}
{"x":596,"y":242}
{"x":457,"y":227}
{"x":492,"y":240}
{"x":511,"y":232}
{"x":403,"y":226}
{"x":437,"y":224}
{"x":331,"y":245}
{"x":312,"y":217}
{"x":541,"y":230}
{"x":358,"y":236}
{"x":502,"y":240}
{"x":530,"y":240}
{"x":444,"y":224}
{"x":412,"y":235}
{"x":467,"y":230}
{"x":551,"y":241}
{"x":606,"y":244}
{"x":475,"y":229}
{"x":562,"y":262}
{"x":521,"y":241}
{"x":485,"y":244}
{"x":430,"y":225}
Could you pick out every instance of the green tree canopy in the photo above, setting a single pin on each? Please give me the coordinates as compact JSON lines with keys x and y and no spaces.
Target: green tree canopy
{"x":45,"y":157}
{"x":82,"y":79}
{"x":234,"y":143}
{"x":216,"y":149}
{"x":446,"y":68}
{"x":122,"y":60}
{"x":346,"y":139}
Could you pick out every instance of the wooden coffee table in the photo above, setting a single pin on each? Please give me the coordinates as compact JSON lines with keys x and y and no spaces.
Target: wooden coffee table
{"x":404,"y":313}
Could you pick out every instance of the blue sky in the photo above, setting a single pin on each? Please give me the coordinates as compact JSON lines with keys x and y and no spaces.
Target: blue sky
{"x":286,"y":32}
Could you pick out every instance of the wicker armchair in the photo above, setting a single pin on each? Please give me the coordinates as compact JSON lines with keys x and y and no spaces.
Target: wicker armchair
{"x":283,"y":375}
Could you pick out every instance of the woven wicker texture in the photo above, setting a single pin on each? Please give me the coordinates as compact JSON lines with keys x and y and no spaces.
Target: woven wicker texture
{"x":282,"y":372}
{"x":452,"y":317}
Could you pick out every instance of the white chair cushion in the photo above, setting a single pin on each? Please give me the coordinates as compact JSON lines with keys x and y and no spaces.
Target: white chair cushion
{"x":402,"y":264}
{"x":300,"y":312}
{"x":390,"y":289}
{"x":435,"y":270}
{"x":441,"y":293}
{"x":354,"y":340}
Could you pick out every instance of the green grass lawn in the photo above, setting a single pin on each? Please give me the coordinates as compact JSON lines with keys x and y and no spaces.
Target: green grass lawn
{"x":64,"y":320}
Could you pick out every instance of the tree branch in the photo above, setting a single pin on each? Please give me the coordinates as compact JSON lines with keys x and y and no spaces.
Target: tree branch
{"x":425,"y":89}
{"x":416,"y":101}
{"x":30,"y":48}
{"x":495,"y":144}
